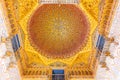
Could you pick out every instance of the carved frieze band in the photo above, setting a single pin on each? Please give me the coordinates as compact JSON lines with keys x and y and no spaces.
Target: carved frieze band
{"x":105,"y":17}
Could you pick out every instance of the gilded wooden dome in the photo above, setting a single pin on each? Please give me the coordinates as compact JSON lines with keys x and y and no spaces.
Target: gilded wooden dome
{"x":58,"y":31}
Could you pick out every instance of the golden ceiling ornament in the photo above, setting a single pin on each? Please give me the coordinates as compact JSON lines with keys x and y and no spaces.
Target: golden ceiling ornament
{"x":58,"y":31}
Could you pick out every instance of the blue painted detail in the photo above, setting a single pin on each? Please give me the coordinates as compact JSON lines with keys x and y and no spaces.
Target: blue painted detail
{"x":15,"y":43}
{"x":58,"y":75}
{"x":100,"y":43}
{"x":18,"y":40}
{"x":58,"y":72}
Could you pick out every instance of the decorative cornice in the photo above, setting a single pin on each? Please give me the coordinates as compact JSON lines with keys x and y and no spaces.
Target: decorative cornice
{"x":11,"y":16}
{"x":106,"y":14}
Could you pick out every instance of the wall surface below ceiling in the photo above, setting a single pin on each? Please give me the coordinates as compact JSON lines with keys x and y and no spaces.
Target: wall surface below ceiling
{"x":113,"y":64}
{"x":6,"y":73}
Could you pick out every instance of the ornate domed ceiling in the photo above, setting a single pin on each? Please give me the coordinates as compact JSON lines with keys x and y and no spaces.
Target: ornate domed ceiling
{"x":58,"y":31}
